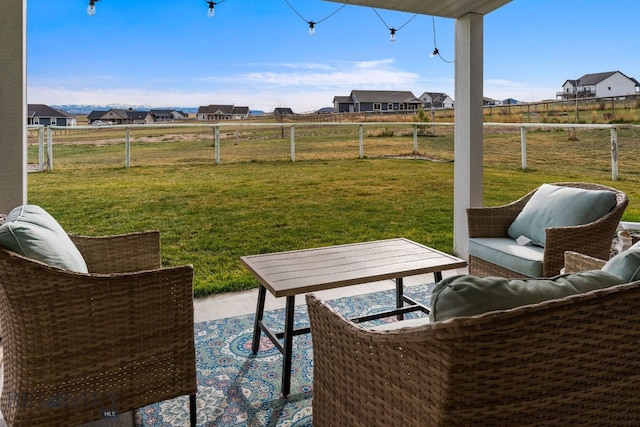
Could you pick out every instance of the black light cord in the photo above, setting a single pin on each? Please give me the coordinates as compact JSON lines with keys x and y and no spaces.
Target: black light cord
{"x":312,"y":24}
{"x":436,"y":52}
{"x":390,"y":28}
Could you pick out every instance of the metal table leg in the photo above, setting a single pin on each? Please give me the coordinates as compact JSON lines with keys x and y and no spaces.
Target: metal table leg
{"x":288,"y":346}
{"x":400,"y":296}
{"x":255,"y":344}
{"x":437,"y":276}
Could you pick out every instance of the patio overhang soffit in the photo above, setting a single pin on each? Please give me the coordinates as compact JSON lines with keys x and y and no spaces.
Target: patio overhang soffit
{"x":445,"y":8}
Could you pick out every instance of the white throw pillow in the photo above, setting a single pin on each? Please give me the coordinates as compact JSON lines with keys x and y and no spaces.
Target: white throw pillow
{"x":30,"y":231}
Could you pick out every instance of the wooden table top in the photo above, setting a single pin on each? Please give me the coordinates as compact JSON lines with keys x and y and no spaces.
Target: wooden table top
{"x":309,"y":270}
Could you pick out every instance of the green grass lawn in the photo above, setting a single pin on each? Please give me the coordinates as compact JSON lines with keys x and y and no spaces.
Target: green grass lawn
{"x":211,"y":215}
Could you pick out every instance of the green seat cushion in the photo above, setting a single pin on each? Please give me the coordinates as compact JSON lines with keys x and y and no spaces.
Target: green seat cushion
{"x":559,"y":206}
{"x":467,"y":295}
{"x":31,"y":232}
{"x":526,"y":260}
{"x":626,"y":264}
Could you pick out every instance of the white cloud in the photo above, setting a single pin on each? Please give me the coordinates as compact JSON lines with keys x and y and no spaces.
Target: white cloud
{"x":301,"y":86}
{"x":521,"y":91}
{"x":377,"y":74}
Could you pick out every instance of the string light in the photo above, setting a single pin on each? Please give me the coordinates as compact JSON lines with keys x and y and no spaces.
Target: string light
{"x":212,"y":4}
{"x":91,"y":9}
{"x":393,"y":30}
{"x":436,"y":52}
{"x":312,"y":24}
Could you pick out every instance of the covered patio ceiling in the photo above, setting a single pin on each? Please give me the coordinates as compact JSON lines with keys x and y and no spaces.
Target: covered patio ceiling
{"x":445,"y":8}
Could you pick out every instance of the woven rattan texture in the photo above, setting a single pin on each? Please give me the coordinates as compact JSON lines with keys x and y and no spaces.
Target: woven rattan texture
{"x":593,"y":239}
{"x":77,"y":346}
{"x":568,"y":362}
{"x":574,"y":262}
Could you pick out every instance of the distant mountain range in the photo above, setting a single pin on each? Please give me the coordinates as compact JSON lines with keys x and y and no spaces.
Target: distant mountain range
{"x":86,"y":109}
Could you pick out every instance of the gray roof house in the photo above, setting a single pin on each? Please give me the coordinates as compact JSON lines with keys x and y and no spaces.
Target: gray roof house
{"x":379,"y":101}
{"x":95,"y":116}
{"x":342,"y":104}
{"x":167,"y":115}
{"x":599,"y":85}
{"x":41,"y":114}
{"x":222,"y":112}
{"x":119,"y":116}
{"x":283,"y":111}
{"x":436,"y":100}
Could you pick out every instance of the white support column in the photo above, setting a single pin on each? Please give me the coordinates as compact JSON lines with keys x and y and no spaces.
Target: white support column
{"x":13,"y":105}
{"x":468,"y":126}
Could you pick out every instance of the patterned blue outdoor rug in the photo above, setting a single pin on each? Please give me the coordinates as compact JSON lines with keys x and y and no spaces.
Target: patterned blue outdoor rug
{"x":236,"y":388}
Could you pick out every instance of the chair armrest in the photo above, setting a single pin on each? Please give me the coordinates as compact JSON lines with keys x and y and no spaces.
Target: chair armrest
{"x":494,"y":221}
{"x":575,"y":262}
{"x":120,"y":253}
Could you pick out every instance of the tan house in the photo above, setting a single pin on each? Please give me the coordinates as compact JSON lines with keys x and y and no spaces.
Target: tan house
{"x":222,"y":112}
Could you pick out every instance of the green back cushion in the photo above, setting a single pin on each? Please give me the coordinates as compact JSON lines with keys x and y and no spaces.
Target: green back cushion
{"x":470,"y":295}
{"x":558,"y":206}
{"x":626,"y":264}
{"x":30,"y":231}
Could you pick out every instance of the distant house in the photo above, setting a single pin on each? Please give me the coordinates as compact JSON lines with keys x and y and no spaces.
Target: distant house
{"x":95,"y":116}
{"x":40,"y":114}
{"x":436,"y":100}
{"x":379,"y":101}
{"x":489,"y":101}
{"x":509,"y":101}
{"x":599,"y":85}
{"x":283,"y":111}
{"x":342,"y":104}
{"x":167,"y":115}
{"x":222,"y":112}
{"x":120,"y":116}
{"x":139,"y":117}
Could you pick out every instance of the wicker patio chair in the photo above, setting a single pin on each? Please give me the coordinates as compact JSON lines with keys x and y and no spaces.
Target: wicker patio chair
{"x":78,"y":347}
{"x":593,"y":239}
{"x":574,"y":262}
{"x":566,"y":362}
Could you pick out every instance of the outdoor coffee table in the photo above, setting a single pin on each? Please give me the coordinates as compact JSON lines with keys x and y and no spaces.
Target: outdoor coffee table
{"x":287,"y":274}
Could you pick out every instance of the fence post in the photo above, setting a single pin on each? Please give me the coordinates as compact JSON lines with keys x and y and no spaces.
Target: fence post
{"x":293,"y":143}
{"x":127,"y":147}
{"x":614,"y":153}
{"x":216,"y":143}
{"x":361,"y":140}
{"x":40,"y":149}
{"x":523,"y":146}
{"x":49,"y":149}
{"x":415,"y":140}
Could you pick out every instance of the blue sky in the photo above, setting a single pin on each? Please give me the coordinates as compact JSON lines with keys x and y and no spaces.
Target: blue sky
{"x":260,"y":54}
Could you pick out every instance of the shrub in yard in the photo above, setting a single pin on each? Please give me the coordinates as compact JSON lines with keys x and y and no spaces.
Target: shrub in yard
{"x":384,"y":132}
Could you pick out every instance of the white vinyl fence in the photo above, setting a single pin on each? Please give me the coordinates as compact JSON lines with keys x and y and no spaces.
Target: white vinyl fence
{"x":211,"y":141}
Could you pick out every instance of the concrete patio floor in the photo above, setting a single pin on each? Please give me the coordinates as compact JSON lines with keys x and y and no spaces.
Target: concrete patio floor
{"x":244,"y":302}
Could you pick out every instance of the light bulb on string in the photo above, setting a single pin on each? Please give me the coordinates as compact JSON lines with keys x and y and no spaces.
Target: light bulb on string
{"x":91,"y":9}
{"x":211,"y":12}
{"x":312,"y":24}
{"x":393,"y":34}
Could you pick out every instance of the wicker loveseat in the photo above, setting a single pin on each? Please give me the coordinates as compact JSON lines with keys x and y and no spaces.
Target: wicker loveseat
{"x":79,"y":347}
{"x":493,"y":252}
{"x":565,"y":362}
